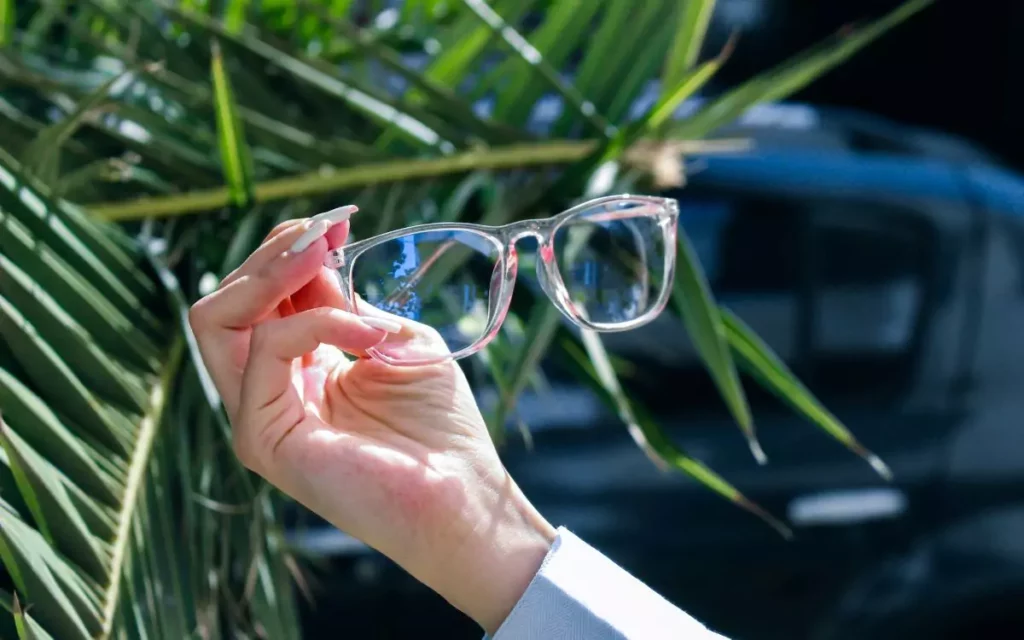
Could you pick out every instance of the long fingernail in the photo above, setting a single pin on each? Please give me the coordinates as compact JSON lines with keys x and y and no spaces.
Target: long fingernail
{"x":314,"y":232}
{"x":391,"y":326}
{"x":334,"y":216}
{"x":320,"y":224}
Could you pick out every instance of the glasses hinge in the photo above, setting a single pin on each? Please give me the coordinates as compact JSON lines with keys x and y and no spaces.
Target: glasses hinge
{"x":335,"y":259}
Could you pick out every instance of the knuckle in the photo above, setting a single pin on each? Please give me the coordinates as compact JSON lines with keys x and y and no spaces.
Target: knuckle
{"x":243,"y":442}
{"x":198,"y":314}
{"x":325,"y":314}
{"x":431,"y":335}
{"x":262,"y":336}
{"x":280,"y":228}
{"x":244,"y":451}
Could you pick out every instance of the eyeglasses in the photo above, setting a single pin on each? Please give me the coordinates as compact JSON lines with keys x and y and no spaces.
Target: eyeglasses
{"x":607,"y":264}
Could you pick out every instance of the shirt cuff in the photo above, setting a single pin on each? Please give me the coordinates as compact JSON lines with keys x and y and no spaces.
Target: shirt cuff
{"x":580,"y":594}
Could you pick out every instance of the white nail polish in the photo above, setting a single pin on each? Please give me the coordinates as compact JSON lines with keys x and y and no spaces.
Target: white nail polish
{"x":334,"y":216}
{"x":316,"y":230}
{"x":391,"y":326}
{"x":320,"y":224}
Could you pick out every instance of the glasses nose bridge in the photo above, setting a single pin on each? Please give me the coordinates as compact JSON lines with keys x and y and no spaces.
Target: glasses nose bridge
{"x":526,"y":229}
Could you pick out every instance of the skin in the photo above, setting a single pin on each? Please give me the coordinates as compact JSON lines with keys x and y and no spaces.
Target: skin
{"x":398,"y":457}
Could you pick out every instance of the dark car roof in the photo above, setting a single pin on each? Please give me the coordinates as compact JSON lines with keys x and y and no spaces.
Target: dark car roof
{"x":824,"y":171}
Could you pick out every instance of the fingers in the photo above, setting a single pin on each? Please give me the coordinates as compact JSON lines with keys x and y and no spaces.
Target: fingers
{"x":322,"y":223}
{"x":323,"y":291}
{"x":271,"y":402}
{"x":253,"y":296}
{"x":266,"y":252}
{"x":284,"y":264}
{"x":331,"y":224}
{"x":276,"y":343}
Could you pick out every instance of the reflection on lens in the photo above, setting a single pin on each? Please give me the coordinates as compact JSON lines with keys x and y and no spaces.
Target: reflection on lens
{"x":441,"y":279}
{"x":612,"y":261}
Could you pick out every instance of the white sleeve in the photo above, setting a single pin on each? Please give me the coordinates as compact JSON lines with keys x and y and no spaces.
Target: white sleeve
{"x":579,"y":594}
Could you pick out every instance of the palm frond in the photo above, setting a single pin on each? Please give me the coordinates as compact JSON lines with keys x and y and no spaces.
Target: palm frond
{"x":90,"y":533}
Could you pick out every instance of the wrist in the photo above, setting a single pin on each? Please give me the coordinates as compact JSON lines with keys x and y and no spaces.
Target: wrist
{"x":494,"y":563}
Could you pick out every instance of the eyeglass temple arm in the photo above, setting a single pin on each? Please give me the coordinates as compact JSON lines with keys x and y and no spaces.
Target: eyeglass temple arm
{"x":611,"y":216}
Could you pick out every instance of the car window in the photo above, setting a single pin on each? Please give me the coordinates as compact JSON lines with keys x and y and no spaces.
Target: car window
{"x":873,"y":265}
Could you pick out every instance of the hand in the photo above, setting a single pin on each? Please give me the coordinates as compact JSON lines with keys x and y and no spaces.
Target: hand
{"x":398,"y":457}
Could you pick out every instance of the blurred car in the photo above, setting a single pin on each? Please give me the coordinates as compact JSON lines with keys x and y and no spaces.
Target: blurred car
{"x":885,"y":265}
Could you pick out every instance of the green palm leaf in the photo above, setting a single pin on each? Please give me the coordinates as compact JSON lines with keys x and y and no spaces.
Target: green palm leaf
{"x":6,"y":22}
{"x":792,"y":75}
{"x":693,"y":17}
{"x":757,"y":359}
{"x":651,"y":438}
{"x":87,"y":437}
{"x":234,"y":152}
{"x":692,"y":296}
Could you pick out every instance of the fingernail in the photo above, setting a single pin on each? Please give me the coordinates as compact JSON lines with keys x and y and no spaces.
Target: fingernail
{"x":320,"y":224}
{"x":391,"y":326}
{"x":316,"y":230}
{"x":334,"y":216}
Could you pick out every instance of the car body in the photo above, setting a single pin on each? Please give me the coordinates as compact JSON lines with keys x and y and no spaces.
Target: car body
{"x":885,"y":265}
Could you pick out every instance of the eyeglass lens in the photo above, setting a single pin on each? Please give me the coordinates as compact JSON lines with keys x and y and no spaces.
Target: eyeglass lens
{"x":442,"y":279}
{"x":610,"y":260}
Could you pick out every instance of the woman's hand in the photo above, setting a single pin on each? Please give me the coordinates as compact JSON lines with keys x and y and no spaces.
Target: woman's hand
{"x":398,"y":457}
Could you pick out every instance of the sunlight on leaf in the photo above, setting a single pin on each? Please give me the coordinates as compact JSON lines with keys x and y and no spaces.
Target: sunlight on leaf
{"x":7,"y":22}
{"x":42,"y":157}
{"x":235,"y":14}
{"x":757,"y":359}
{"x":649,"y":436}
{"x":792,"y":75}
{"x":692,"y":297}
{"x":234,"y":152}
{"x":532,"y":59}
{"x":694,"y":16}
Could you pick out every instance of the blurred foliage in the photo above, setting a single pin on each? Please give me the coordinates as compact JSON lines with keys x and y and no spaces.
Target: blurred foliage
{"x":197,"y":125}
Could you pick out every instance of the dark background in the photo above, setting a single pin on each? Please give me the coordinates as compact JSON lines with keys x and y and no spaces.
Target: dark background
{"x":955,"y":67}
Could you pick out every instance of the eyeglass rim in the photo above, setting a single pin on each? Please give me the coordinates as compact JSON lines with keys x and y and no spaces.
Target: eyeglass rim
{"x":503,"y":236}
{"x":337,"y":257}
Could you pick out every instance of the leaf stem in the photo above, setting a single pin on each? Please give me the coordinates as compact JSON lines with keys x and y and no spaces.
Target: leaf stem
{"x":141,"y":453}
{"x":511,"y":156}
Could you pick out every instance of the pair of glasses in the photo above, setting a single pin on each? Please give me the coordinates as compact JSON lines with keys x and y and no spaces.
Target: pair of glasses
{"x":607,"y":264}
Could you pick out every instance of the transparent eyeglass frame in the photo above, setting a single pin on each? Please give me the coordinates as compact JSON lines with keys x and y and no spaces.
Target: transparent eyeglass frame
{"x":665,"y":211}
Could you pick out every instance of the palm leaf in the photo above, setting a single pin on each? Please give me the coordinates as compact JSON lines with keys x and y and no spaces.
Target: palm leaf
{"x":757,"y":359}
{"x":692,"y":296}
{"x":42,"y":157}
{"x":693,"y":16}
{"x":595,"y":367}
{"x":532,"y":59}
{"x":26,"y":627}
{"x":234,"y":152}
{"x":6,"y":22}
{"x":793,"y":75}
{"x":93,"y":533}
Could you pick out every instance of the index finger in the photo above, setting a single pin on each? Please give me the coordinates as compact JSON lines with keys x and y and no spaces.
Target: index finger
{"x":283,"y":235}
